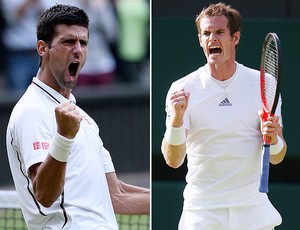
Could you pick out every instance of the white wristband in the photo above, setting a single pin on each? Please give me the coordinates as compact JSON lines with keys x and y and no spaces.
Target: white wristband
{"x":175,"y":135}
{"x":275,"y":149}
{"x":60,"y":147}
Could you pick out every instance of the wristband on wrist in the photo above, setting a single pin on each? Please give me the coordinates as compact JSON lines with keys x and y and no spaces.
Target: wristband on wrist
{"x":60,"y":147}
{"x":275,"y":149}
{"x":175,"y":135}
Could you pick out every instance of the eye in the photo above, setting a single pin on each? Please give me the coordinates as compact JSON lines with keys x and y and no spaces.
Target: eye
{"x":83,"y":43}
{"x":206,"y":33}
{"x":69,"y":42}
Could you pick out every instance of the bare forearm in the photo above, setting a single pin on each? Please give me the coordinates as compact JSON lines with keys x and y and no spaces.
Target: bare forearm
{"x":132,"y":204}
{"x":128,"y":199}
{"x":48,"y":183}
{"x":134,"y":189}
{"x":132,"y":200}
{"x":174,"y":155}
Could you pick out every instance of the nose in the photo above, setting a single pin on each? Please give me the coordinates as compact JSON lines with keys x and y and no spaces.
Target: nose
{"x":212,"y":37}
{"x":77,"y":48}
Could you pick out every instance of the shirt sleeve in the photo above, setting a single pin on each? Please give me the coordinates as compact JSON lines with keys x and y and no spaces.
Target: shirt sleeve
{"x":107,"y":161}
{"x":33,"y":135}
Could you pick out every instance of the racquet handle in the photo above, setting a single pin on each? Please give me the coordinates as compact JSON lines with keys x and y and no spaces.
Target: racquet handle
{"x":264,"y":177}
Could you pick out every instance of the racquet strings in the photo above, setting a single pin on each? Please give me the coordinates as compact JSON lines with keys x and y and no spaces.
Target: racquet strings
{"x":271,"y":69}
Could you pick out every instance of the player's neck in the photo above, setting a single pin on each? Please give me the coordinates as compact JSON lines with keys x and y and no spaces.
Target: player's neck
{"x":46,"y":77}
{"x":223,"y":71}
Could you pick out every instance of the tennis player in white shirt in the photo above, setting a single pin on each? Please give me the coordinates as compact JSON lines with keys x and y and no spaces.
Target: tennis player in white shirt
{"x":212,"y":118}
{"x":64,"y":177}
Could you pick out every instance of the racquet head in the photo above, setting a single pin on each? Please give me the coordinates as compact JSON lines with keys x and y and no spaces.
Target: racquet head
{"x":270,"y":74}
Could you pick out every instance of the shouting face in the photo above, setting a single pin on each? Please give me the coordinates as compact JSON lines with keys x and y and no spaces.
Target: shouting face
{"x":215,"y":39}
{"x":64,"y":58}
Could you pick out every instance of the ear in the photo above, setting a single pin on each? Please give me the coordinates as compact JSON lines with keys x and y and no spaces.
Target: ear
{"x":42,"y":48}
{"x":236,"y":37}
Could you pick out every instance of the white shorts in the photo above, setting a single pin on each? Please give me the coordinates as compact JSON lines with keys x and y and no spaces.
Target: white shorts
{"x":259,"y":217}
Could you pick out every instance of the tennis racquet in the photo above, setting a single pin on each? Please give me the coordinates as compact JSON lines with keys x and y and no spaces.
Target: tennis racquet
{"x":269,"y":87}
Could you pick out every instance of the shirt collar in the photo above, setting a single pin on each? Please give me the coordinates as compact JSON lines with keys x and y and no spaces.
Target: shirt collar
{"x":51,"y":92}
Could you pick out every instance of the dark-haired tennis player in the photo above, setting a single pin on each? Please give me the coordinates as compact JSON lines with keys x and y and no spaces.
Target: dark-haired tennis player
{"x":64,"y":177}
{"x":212,"y":118}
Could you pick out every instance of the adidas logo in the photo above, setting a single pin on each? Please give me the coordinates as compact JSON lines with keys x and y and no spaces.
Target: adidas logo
{"x":225,"y":102}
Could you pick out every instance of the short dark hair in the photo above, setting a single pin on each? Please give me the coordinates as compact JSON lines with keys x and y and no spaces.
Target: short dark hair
{"x":57,"y":15}
{"x":233,"y":16}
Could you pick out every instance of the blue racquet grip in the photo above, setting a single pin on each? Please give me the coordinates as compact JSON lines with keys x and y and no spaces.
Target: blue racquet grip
{"x":264,"y":177}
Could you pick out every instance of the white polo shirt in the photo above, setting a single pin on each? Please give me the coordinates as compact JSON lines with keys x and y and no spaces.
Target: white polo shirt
{"x":85,"y":202}
{"x":224,"y":141}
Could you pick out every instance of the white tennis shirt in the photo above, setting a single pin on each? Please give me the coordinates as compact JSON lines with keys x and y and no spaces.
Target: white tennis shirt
{"x":85,"y":202}
{"x":224,"y":142}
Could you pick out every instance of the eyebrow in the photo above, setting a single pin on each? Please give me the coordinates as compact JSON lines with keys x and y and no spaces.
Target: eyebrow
{"x":213,"y":30}
{"x":64,"y":37}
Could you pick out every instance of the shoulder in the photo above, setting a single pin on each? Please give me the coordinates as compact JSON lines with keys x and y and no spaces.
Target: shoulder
{"x":248,"y":70}
{"x":186,"y":81}
{"x":247,"y":74}
{"x":31,"y":107}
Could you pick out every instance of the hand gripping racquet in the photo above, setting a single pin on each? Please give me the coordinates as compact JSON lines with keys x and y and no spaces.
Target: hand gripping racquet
{"x":269,"y":86}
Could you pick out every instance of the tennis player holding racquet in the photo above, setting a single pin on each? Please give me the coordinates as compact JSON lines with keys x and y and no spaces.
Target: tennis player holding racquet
{"x":212,"y":119}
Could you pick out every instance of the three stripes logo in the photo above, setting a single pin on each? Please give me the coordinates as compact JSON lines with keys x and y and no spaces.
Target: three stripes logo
{"x":225,"y":102}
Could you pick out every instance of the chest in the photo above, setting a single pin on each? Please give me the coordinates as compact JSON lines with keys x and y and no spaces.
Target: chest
{"x":225,"y":111}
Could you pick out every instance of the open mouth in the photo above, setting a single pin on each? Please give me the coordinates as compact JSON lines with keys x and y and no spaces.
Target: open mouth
{"x":215,"y":50}
{"x":73,"y":68}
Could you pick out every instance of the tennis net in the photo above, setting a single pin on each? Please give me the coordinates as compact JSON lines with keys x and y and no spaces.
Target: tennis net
{"x":11,"y":217}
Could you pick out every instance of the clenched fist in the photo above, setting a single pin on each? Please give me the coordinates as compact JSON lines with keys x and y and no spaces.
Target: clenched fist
{"x":68,"y":119}
{"x":179,"y":101}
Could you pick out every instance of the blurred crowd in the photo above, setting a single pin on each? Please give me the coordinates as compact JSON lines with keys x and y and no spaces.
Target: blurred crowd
{"x":119,"y":47}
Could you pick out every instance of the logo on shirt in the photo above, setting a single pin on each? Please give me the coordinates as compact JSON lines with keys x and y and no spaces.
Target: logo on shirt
{"x":41,"y":145}
{"x":225,"y":102}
